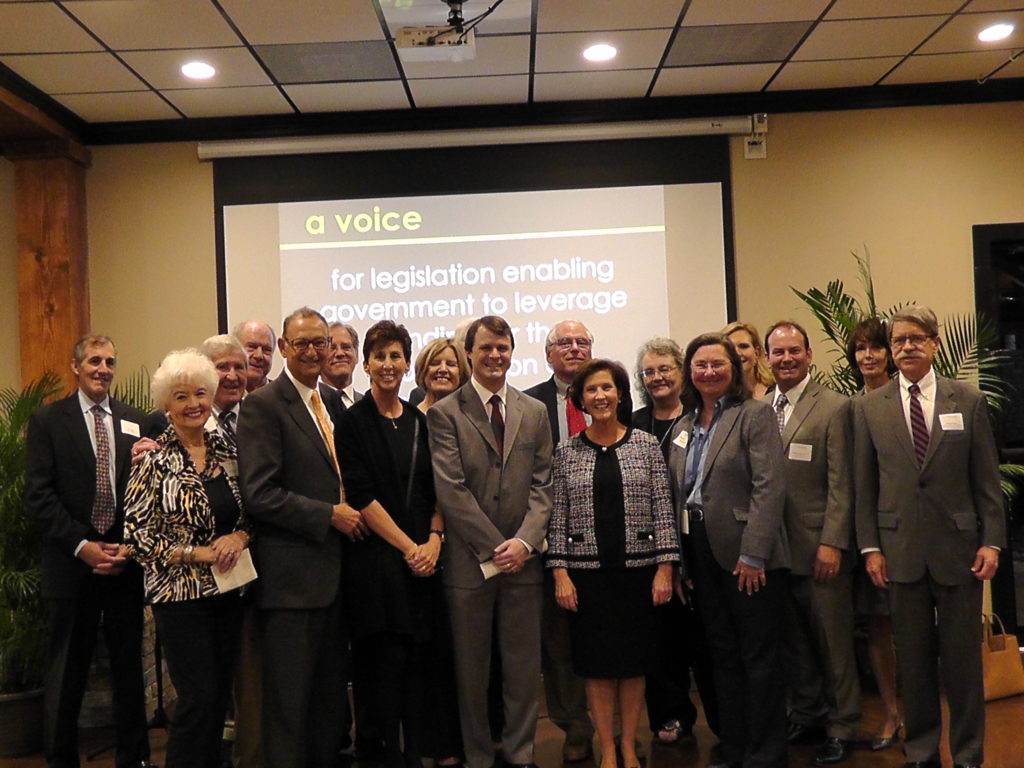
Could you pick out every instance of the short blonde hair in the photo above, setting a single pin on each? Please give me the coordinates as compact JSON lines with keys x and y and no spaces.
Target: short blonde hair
{"x":183,"y":366}
{"x":432,"y":350}
{"x":762,"y":371}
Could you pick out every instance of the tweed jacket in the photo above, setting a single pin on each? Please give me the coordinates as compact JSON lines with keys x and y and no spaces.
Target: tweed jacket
{"x":166,"y":507}
{"x":649,"y":520}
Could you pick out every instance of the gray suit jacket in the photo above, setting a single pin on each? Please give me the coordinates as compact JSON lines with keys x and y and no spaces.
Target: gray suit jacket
{"x":744,"y":487}
{"x":290,"y":487}
{"x":487,"y":498}
{"x":819,"y":492}
{"x":931,"y":518}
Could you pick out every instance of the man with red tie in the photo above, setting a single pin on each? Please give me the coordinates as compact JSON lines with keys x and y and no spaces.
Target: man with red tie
{"x":568,"y":346}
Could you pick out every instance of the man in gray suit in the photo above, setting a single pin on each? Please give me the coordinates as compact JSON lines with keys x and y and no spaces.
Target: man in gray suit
{"x":930,"y":520}
{"x":491,"y":448}
{"x":292,"y":489}
{"x":818,"y":642}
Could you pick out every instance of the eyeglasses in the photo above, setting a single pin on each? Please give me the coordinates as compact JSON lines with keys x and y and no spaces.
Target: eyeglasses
{"x":661,"y":370}
{"x":715,"y":366}
{"x":566,"y":343}
{"x":910,"y":340}
{"x":303,"y":345}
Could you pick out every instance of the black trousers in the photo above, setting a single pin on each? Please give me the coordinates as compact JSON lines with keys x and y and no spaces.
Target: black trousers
{"x":116,"y":603}
{"x":744,"y":634}
{"x":200,"y":642}
{"x":682,"y":646}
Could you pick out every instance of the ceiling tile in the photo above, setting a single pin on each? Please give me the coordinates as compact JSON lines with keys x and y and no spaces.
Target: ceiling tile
{"x":713,"y":12}
{"x":844,"y":73}
{"x":263,"y":22}
{"x":325,"y":62}
{"x":501,"y":55}
{"x":580,"y":15}
{"x":162,"y":69}
{"x":638,"y":49}
{"x":735,"y":78}
{"x":946,"y":66}
{"x":573,"y":86}
{"x":348,"y":97}
{"x":229,"y":102}
{"x":869,"y":9}
{"x":468,"y":91}
{"x":1013,"y":69}
{"x":132,"y":25}
{"x":867,"y":37}
{"x":118,"y":107}
{"x":74,"y":72}
{"x":980,"y":6}
{"x":41,"y":28}
{"x":961,"y":34}
{"x":511,"y":17}
{"x":735,"y":43}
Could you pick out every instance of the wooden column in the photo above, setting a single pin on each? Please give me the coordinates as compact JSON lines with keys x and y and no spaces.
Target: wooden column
{"x":53,"y":262}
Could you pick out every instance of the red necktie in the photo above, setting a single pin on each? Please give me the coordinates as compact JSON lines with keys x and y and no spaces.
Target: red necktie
{"x":574,"y":418}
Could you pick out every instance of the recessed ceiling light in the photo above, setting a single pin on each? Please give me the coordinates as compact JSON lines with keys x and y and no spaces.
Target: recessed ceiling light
{"x":995,"y":32}
{"x":198,"y":70}
{"x":600,"y":52}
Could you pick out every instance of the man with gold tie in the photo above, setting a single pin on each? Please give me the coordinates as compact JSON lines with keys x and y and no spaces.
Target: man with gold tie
{"x":292,"y":489}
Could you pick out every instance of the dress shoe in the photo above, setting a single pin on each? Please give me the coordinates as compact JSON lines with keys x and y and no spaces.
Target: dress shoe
{"x":835,"y":751}
{"x":576,"y":751}
{"x":884,"y":742}
{"x":798,"y":733}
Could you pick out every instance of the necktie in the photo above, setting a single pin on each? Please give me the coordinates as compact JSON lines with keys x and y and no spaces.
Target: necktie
{"x":497,"y":423}
{"x":918,"y":426}
{"x":103,"y":505}
{"x":780,"y":411}
{"x":325,"y":429}
{"x":227,"y":426}
{"x":574,"y":418}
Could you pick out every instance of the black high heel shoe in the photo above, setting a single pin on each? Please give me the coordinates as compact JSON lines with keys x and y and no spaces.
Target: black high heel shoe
{"x":884,"y":742}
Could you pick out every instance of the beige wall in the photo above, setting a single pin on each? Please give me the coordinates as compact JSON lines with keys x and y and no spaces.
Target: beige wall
{"x":907,"y":183}
{"x":10,"y":369}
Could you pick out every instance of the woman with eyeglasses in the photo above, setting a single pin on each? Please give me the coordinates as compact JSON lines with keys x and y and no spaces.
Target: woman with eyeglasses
{"x":681,"y":644}
{"x":392,"y":586}
{"x":728,"y":453}
{"x":870,"y":359}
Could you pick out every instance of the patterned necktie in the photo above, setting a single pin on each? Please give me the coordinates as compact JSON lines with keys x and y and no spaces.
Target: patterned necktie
{"x":574,"y":418}
{"x":103,"y":506}
{"x":226,"y":420}
{"x":780,"y":411}
{"x":918,"y":426}
{"x":325,"y":430}
{"x":497,"y":423}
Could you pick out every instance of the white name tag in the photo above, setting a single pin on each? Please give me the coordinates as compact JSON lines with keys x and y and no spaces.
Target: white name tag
{"x":952,"y":422}
{"x":129,"y":428}
{"x":800,"y":451}
{"x":682,"y":439}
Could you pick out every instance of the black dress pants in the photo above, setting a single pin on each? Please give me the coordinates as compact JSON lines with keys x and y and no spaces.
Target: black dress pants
{"x":200,"y":642}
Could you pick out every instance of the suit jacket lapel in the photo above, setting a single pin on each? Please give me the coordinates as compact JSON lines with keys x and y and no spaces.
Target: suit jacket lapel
{"x":945,"y":402}
{"x":801,"y":411}
{"x":478,"y":417}
{"x":122,"y":441}
{"x":79,"y":432}
{"x":513,"y":418}
{"x":898,"y":420}
{"x":302,"y":417}
{"x":725,"y":425}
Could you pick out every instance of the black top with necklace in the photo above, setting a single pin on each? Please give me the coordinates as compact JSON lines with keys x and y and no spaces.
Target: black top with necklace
{"x":661,"y":428}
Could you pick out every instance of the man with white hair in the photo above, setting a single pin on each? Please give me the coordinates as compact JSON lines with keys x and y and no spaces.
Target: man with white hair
{"x":259,"y":341}
{"x":229,"y":358}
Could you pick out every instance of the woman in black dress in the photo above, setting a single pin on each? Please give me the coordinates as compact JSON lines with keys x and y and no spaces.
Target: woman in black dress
{"x":393,"y":596}
{"x":613,"y":543}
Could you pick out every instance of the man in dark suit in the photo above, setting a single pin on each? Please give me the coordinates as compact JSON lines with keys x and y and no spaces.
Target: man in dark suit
{"x":292,"y":489}
{"x":930,"y":521}
{"x":339,"y":363}
{"x":491,"y":449}
{"x":818,"y":639}
{"x":79,"y":456}
{"x":258,"y":340}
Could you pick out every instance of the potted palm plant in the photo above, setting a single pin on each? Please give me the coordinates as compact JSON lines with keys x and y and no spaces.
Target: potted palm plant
{"x":23,"y":633}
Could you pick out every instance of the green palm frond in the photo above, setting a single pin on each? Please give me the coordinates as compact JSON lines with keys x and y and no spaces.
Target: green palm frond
{"x":968,"y":353}
{"x":1011,"y":476}
{"x":834,"y":309}
{"x":133,"y":390}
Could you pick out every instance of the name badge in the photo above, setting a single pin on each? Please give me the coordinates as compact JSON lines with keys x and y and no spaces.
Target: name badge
{"x":951,"y":422}
{"x":800,"y":451}
{"x":682,"y":439}
{"x":131,"y":428}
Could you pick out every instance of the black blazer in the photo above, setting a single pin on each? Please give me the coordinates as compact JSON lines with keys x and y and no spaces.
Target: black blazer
{"x":290,"y":487}
{"x":60,"y":486}
{"x":547,"y":393}
{"x":333,"y":402}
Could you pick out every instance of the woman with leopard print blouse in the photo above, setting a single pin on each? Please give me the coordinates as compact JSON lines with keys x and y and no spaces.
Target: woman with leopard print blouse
{"x":183,"y":519}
